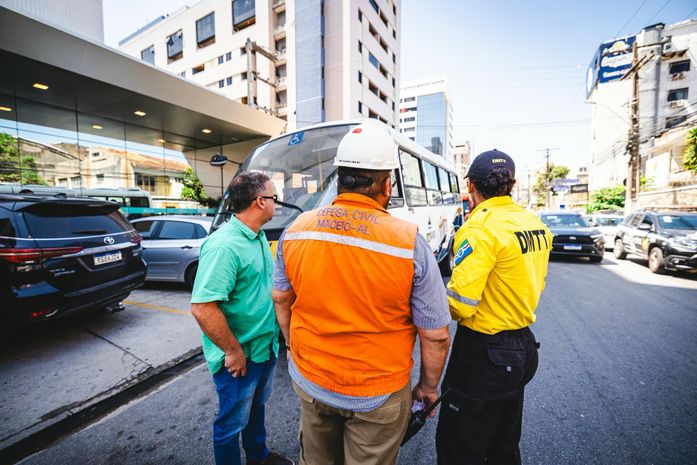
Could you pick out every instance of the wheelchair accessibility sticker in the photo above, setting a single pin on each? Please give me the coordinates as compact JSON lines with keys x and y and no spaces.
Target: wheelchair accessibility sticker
{"x":296,"y":138}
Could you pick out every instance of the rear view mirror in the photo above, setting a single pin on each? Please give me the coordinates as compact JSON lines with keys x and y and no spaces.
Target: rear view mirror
{"x":644,"y":227}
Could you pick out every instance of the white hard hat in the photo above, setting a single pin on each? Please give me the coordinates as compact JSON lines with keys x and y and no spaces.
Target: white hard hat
{"x":368,"y":146}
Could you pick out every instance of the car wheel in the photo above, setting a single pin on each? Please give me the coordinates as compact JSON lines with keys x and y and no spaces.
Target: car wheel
{"x":596,"y":259}
{"x":190,"y":276}
{"x":619,"y":251}
{"x":656,"y":260}
{"x":448,"y":263}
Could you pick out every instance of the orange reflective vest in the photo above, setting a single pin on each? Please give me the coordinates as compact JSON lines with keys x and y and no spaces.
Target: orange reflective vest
{"x":351,"y":266}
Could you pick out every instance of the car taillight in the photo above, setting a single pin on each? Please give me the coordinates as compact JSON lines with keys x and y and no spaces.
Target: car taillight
{"x":18,"y":256}
{"x":136,"y":239}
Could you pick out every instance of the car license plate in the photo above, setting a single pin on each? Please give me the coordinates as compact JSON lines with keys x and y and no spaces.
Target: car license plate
{"x":573,"y":247}
{"x":107,"y":258}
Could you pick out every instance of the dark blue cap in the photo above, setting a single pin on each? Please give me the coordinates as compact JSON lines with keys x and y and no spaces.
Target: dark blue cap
{"x":484,"y":162}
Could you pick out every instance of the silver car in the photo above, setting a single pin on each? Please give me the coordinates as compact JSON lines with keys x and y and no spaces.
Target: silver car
{"x":607,"y":224}
{"x":171,"y":245}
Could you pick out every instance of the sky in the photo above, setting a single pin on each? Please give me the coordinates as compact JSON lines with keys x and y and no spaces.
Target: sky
{"x":516,"y":69}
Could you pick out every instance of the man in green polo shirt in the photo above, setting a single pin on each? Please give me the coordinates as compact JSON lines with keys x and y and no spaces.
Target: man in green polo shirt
{"x":232,"y":304}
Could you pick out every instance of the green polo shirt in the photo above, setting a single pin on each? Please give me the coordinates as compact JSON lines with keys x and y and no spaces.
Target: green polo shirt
{"x":235,"y":269}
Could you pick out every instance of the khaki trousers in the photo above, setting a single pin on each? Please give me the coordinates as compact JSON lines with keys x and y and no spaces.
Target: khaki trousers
{"x":332,"y":436}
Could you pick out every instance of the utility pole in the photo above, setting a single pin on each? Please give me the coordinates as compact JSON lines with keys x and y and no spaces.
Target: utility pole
{"x":252,"y":49}
{"x":548,"y":200}
{"x":633,"y":137}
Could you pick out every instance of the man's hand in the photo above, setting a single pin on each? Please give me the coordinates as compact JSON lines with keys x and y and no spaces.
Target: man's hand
{"x":236,"y":362}
{"x":426,"y":395}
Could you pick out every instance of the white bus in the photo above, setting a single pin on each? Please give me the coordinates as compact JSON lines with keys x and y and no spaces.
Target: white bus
{"x":301,"y":165}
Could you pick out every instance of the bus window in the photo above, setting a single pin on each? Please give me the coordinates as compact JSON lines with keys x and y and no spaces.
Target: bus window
{"x":396,"y":199}
{"x":448,"y":197}
{"x":453,"y":184}
{"x":414,"y":191}
{"x":431,"y":176}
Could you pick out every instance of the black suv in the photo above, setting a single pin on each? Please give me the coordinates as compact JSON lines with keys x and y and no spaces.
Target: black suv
{"x":59,"y":254}
{"x":667,"y":239}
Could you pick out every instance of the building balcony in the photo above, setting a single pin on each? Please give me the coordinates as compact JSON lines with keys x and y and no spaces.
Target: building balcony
{"x":278,"y":5}
{"x":281,"y":57}
{"x":281,"y":83}
{"x":279,"y":31}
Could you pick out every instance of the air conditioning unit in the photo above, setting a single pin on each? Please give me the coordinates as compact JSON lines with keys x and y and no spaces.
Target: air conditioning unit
{"x":677,"y":104}
{"x":677,"y":76}
{"x":667,"y":47}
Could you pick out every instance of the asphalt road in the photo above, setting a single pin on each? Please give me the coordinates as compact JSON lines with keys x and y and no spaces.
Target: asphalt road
{"x":616,"y":385}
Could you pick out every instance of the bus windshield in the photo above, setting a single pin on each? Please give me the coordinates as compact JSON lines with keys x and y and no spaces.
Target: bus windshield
{"x":301,"y":166}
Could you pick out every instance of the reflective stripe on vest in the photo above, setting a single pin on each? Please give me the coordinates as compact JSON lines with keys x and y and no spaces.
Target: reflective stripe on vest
{"x":352,"y":241}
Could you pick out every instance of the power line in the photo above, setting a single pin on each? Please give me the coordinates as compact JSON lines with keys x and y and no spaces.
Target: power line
{"x":631,"y":18}
{"x":657,"y":13}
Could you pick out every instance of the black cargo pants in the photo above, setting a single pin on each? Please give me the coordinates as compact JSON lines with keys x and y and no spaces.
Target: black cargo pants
{"x":480,"y":420}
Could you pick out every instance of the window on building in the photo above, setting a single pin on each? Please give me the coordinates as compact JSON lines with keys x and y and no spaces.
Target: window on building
{"x":182,"y":74}
{"x":76,"y":181}
{"x":221,"y":60}
{"x":205,"y":30}
{"x":221,"y":83}
{"x":360,"y":77}
{"x":374,"y":4}
{"x":145,"y":182}
{"x":243,"y":14}
{"x":410,"y":119}
{"x":228,"y":56}
{"x":228,"y":80}
{"x":281,"y":19}
{"x":409,"y":99}
{"x":679,"y":67}
{"x":148,"y":55}
{"x":100,"y":178}
{"x":374,"y":61}
{"x":243,"y":76}
{"x":394,"y":33}
{"x":198,"y":69}
{"x":360,"y":108}
{"x":360,"y":15}
{"x":394,"y":58}
{"x":281,"y":71}
{"x":394,"y":9}
{"x":281,"y":45}
{"x":677,"y":94}
{"x":673,"y":121}
{"x":243,"y":51}
{"x":360,"y":47}
{"x":394,"y":83}
{"x":175,"y":46}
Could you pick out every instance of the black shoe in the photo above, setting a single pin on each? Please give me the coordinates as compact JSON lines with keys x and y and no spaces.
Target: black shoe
{"x":273,"y":459}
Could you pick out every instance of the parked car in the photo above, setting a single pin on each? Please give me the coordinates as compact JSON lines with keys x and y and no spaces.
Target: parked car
{"x":573,"y":236}
{"x":59,"y":254}
{"x":607,"y":224}
{"x":667,"y":239}
{"x":171,"y":245}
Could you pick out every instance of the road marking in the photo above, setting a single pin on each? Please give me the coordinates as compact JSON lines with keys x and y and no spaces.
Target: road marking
{"x":156,"y":307}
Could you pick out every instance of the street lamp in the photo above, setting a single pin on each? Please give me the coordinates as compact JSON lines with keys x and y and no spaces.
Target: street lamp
{"x":219,"y":160}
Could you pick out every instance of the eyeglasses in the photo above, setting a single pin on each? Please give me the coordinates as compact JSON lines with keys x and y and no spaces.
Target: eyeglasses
{"x":270,"y":197}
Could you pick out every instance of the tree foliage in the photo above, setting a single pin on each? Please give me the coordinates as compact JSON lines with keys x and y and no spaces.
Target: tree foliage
{"x":193,"y":189}
{"x":609,"y":198}
{"x":689,"y":159}
{"x":10,"y":163}
{"x":555,"y":172}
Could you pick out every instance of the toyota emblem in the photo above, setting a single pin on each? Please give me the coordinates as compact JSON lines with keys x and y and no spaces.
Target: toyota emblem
{"x":109,"y":240}
{"x":573,"y":238}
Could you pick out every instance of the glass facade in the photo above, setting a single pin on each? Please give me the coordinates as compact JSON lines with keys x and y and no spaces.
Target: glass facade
{"x":205,"y":30}
{"x":48,"y":146}
{"x":432,"y":123}
{"x":243,"y":13}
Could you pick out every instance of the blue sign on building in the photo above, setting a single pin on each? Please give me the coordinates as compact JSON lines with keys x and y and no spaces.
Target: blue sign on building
{"x":610,"y":62}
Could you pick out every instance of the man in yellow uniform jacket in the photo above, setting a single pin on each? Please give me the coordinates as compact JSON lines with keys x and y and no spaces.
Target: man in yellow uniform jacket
{"x":501,"y":258}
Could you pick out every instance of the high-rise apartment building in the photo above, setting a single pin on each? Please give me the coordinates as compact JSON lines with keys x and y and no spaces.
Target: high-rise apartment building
{"x":426,"y":115}
{"x":84,"y":17}
{"x":461,"y":158}
{"x":317,"y":60}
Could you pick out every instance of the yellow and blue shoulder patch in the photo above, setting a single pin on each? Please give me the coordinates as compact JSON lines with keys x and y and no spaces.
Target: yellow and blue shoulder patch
{"x":463,"y":251}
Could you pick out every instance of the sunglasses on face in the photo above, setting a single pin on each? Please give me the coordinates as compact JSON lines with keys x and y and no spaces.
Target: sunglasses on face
{"x":270,"y":197}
